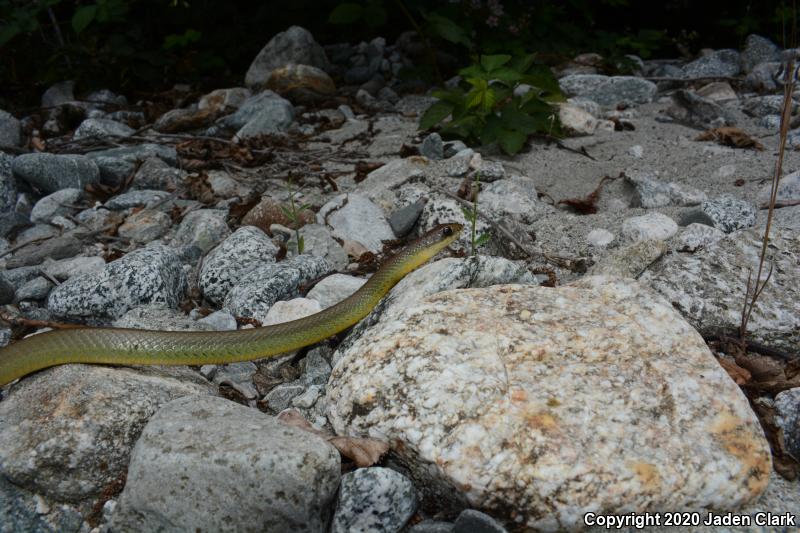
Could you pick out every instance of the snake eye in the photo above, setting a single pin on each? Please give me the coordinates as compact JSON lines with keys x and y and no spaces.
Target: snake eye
{"x":447,"y":231}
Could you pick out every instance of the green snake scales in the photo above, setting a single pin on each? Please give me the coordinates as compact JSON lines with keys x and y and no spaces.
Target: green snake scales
{"x":119,"y":346}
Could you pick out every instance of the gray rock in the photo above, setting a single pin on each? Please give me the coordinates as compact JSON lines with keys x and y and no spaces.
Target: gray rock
{"x":730,"y":213}
{"x":402,"y":220}
{"x":6,"y":291}
{"x":116,"y":164}
{"x":786,"y":217}
{"x":154,"y":173}
{"x":451,"y":148}
{"x":431,"y":526}
{"x":106,"y":96}
{"x":432,"y":147}
{"x":101,"y":128}
{"x":95,"y":219}
{"x":762,"y":77}
{"x":335,"y":288}
{"x":281,"y":397}
{"x":158,"y":316}
{"x":609,"y":91}
{"x":246,"y":249}
{"x":354,"y":217}
{"x":273,"y":114}
{"x":515,"y":198}
{"x":55,"y":248}
{"x":762,"y":106}
{"x":75,"y":266}
{"x":203,"y":228}
{"x":267,"y":476}
{"x":35,"y":233}
{"x":36,"y":289}
{"x":23,"y":510}
{"x":17,"y":276}
{"x":459,"y":164}
{"x":140,"y":198}
{"x":220,"y":321}
{"x":295,"y":45}
{"x":697,"y":236}
{"x":472,"y":521}
{"x":383,"y":184}
{"x":443,"y":210}
{"x":374,"y":499}
{"x":69,"y":447}
{"x":491,"y":403}
{"x":655,"y":226}
{"x":788,"y":191}
{"x":145,"y":226}
{"x":238,"y":376}
{"x":319,"y":242}
{"x":57,"y":203}
{"x":787,"y":407}
{"x":316,"y":368}
{"x":696,"y":111}
{"x":695,"y":216}
{"x":707,"y":287}
{"x":255,"y":292}
{"x":58,"y":94}
{"x":600,"y":237}
{"x":771,"y":122}
{"x":758,"y":50}
{"x":650,"y":193}
{"x":718,"y":63}
{"x":489,"y":171}
{"x":10,"y":130}
{"x":631,"y":260}
{"x":8,"y":189}
{"x":145,"y":276}
{"x":53,"y":172}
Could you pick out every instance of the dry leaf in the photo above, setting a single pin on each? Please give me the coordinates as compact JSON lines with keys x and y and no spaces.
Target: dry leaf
{"x":363,"y":452}
{"x":738,"y":374}
{"x":730,"y":136}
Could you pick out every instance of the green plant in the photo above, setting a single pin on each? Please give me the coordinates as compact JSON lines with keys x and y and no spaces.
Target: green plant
{"x":293,"y":214}
{"x":488,"y":106}
{"x":471,"y":214}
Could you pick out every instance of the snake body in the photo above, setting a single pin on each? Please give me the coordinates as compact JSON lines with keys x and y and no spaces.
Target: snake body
{"x":120,"y":346}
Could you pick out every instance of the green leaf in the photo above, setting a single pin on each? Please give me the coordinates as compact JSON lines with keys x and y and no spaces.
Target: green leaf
{"x":473,"y":71}
{"x":8,"y":32}
{"x":448,"y":30}
{"x":83,"y":16}
{"x":522,"y":64}
{"x":288,"y":213}
{"x":492,"y":63}
{"x":436,"y":113}
{"x":483,"y":239}
{"x":301,"y":245}
{"x":506,"y":74}
{"x":515,"y":119}
{"x":511,"y":141}
{"x":454,"y":96}
{"x":346,"y":13}
{"x":468,"y":214}
{"x":375,"y":14}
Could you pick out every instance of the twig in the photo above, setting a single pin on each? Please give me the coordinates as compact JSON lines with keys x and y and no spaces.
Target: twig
{"x":24,"y":244}
{"x":19,"y":321}
{"x":752,"y":346}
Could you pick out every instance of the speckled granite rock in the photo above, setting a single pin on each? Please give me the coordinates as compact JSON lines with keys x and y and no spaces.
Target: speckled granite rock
{"x":255,"y":292}
{"x":116,"y":164}
{"x":54,"y":204}
{"x":439,"y":210}
{"x":656,"y":226}
{"x":335,"y":288}
{"x":514,"y":197}
{"x":209,"y":464}
{"x":102,"y":127}
{"x":296,"y":45}
{"x":696,"y":236}
{"x":21,"y":510}
{"x":67,"y":432}
{"x":548,"y":402}
{"x":354,"y":217}
{"x":8,"y":189}
{"x":708,"y":286}
{"x":381,"y":183}
{"x":652,"y":193}
{"x":609,"y":90}
{"x":148,"y":275}
{"x":246,"y":249}
{"x":159,"y":316}
{"x":730,"y":213}
{"x":203,"y":228}
{"x":374,"y":499}
{"x":787,"y":405}
{"x":318,"y":241}
{"x":53,"y":172}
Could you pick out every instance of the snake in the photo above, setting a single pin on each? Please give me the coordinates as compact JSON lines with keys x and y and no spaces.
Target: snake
{"x":124,"y":346}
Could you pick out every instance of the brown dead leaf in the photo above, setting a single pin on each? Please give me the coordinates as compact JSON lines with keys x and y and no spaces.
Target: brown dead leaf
{"x":762,"y":368}
{"x":587,"y":205}
{"x":363,"y":452}
{"x":739,"y":375}
{"x":408,"y":150}
{"x":198,"y":187}
{"x":363,"y":168}
{"x":782,"y":461}
{"x":730,"y":136}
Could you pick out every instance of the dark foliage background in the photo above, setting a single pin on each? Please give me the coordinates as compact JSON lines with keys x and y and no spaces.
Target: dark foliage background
{"x":143,"y":45}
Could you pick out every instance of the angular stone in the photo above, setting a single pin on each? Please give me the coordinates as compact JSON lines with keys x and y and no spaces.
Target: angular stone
{"x":787,"y":406}
{"x":514,"y":197}
{"x":101,"y":128}
{"x":708,"y":286}
{"x":335,"y":288}
{"x":254,"y":293}
{"x":10,"y":130}
{"x":757,"y":50}
{"x":148,"y":275}
{"x":374,"y":499}
{"x":36,"y":253}
{"x":117,"y":164}
{"x":718,"y":63}
{"x":247,"y":248}
{"x":67,"y":432}
{"x":655,"y":226}
{"x":432,"y":147}
{"x":145,"y":226}
{"x":58,"y":203}
{"x":762,"y":106}
{"x":730,"y":213}
{"x":652,"y":193}
{"x":697,"y":236}
{"x":693,"y":110}
{"x":8,"y":189}
{"x":576,"y":120}
{"x":788,"y":191}
{"x":402,"y":220}
{"x":264,"y":113}
{"x":53,"y":172}
{"x":609,"y":91}
{"x":203,"y":228}
{"x":354,"y":217}
{"x":250,"y":471}
{"x":631,"y":260}
{"x":318,"y":241}
{"x":297,"y":79}
{"x":295,"y":45}
{"x":511,"y":414}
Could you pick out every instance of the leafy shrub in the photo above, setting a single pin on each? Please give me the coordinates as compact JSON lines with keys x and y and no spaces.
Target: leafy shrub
{"x":488,"y":105}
